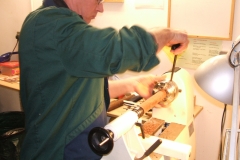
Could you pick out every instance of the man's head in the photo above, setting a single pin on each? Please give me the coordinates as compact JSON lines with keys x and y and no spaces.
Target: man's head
{"x":88,"y":9}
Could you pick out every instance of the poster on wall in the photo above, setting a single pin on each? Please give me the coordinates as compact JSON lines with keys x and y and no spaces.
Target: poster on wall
{"x":198,"y":51}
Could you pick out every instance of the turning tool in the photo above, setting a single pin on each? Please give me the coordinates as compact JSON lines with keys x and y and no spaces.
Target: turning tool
{"x":175,"y":46}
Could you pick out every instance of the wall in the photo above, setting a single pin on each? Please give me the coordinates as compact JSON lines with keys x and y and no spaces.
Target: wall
{"x":12,"y":15}
{"x":207,"y":124}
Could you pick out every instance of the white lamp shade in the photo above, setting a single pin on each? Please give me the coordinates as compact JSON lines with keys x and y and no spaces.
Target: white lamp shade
{"x":216,"y":77}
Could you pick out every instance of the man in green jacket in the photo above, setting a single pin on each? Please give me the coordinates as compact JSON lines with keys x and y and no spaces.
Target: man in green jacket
{"x":64,"y":65}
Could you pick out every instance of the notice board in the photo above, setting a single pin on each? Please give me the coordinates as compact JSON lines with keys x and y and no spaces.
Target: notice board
{"x":212,"y":19}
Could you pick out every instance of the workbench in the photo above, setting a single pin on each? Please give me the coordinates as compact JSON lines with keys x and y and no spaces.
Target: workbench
{"x":10,"y":85}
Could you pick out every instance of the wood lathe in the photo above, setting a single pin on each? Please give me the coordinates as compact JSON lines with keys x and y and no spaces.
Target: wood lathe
{"x":168,"y":134}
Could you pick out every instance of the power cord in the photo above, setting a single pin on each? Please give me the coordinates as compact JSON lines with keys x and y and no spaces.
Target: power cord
{"x":11,"y":53}
{"x":15,"y":46}
{"x":222,"y":128}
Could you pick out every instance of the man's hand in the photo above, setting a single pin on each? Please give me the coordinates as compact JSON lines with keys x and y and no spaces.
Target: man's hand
{"x":144,"y":85}
{"x":169,"y":37}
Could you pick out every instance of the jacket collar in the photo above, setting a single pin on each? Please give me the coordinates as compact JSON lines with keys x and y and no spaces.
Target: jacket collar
{"x":57,"y":3}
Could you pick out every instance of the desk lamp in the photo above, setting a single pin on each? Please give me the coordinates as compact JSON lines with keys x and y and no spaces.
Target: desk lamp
{"x":219,"y":77}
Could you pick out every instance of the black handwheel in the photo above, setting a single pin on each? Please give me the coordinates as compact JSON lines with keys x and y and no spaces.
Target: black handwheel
{"x":100,"y":140}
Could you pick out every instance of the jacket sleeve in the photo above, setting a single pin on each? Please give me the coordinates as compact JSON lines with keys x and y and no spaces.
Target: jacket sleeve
{"x":91,"y":52}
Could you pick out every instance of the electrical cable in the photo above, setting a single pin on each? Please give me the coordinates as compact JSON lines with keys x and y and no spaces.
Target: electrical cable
{"x":14,"y":47}
{"x":222,"y":128}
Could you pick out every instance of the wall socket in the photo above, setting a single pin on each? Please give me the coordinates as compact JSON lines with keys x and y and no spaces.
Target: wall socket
{"x":17,"y":35}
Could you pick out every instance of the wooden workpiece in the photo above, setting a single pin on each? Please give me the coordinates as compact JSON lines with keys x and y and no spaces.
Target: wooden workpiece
{"x":153,"y":100}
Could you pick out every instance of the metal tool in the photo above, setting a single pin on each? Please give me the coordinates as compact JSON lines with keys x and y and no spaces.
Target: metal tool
{"x":173,"y":67}
{"x":175,"y":46}
{"x":115,"y":104}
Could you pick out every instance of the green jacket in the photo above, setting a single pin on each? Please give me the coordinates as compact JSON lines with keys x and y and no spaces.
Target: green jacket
{"x":63,"y":62}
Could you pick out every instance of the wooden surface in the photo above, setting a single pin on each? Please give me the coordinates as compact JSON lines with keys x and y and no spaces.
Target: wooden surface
{"x":151,"y":126}
{"x":172,"y":131}
{"x":11,"y":85}
{"x":197,"y":110}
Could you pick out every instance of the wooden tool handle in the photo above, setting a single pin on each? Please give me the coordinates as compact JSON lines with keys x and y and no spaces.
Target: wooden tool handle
{"x":153,"y":100}
{"x":118,"y":103}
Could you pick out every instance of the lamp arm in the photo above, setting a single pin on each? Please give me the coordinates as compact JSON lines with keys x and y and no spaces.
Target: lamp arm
{"x":234,"y":55}
{"x":235,"y":62}
{"x":234,"y":127}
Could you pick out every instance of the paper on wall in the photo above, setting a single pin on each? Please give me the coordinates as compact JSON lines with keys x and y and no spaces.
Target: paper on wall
{"x":198,"y":51}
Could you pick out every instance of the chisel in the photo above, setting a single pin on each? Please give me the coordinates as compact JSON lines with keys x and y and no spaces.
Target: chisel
{"x":175,"y":46}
